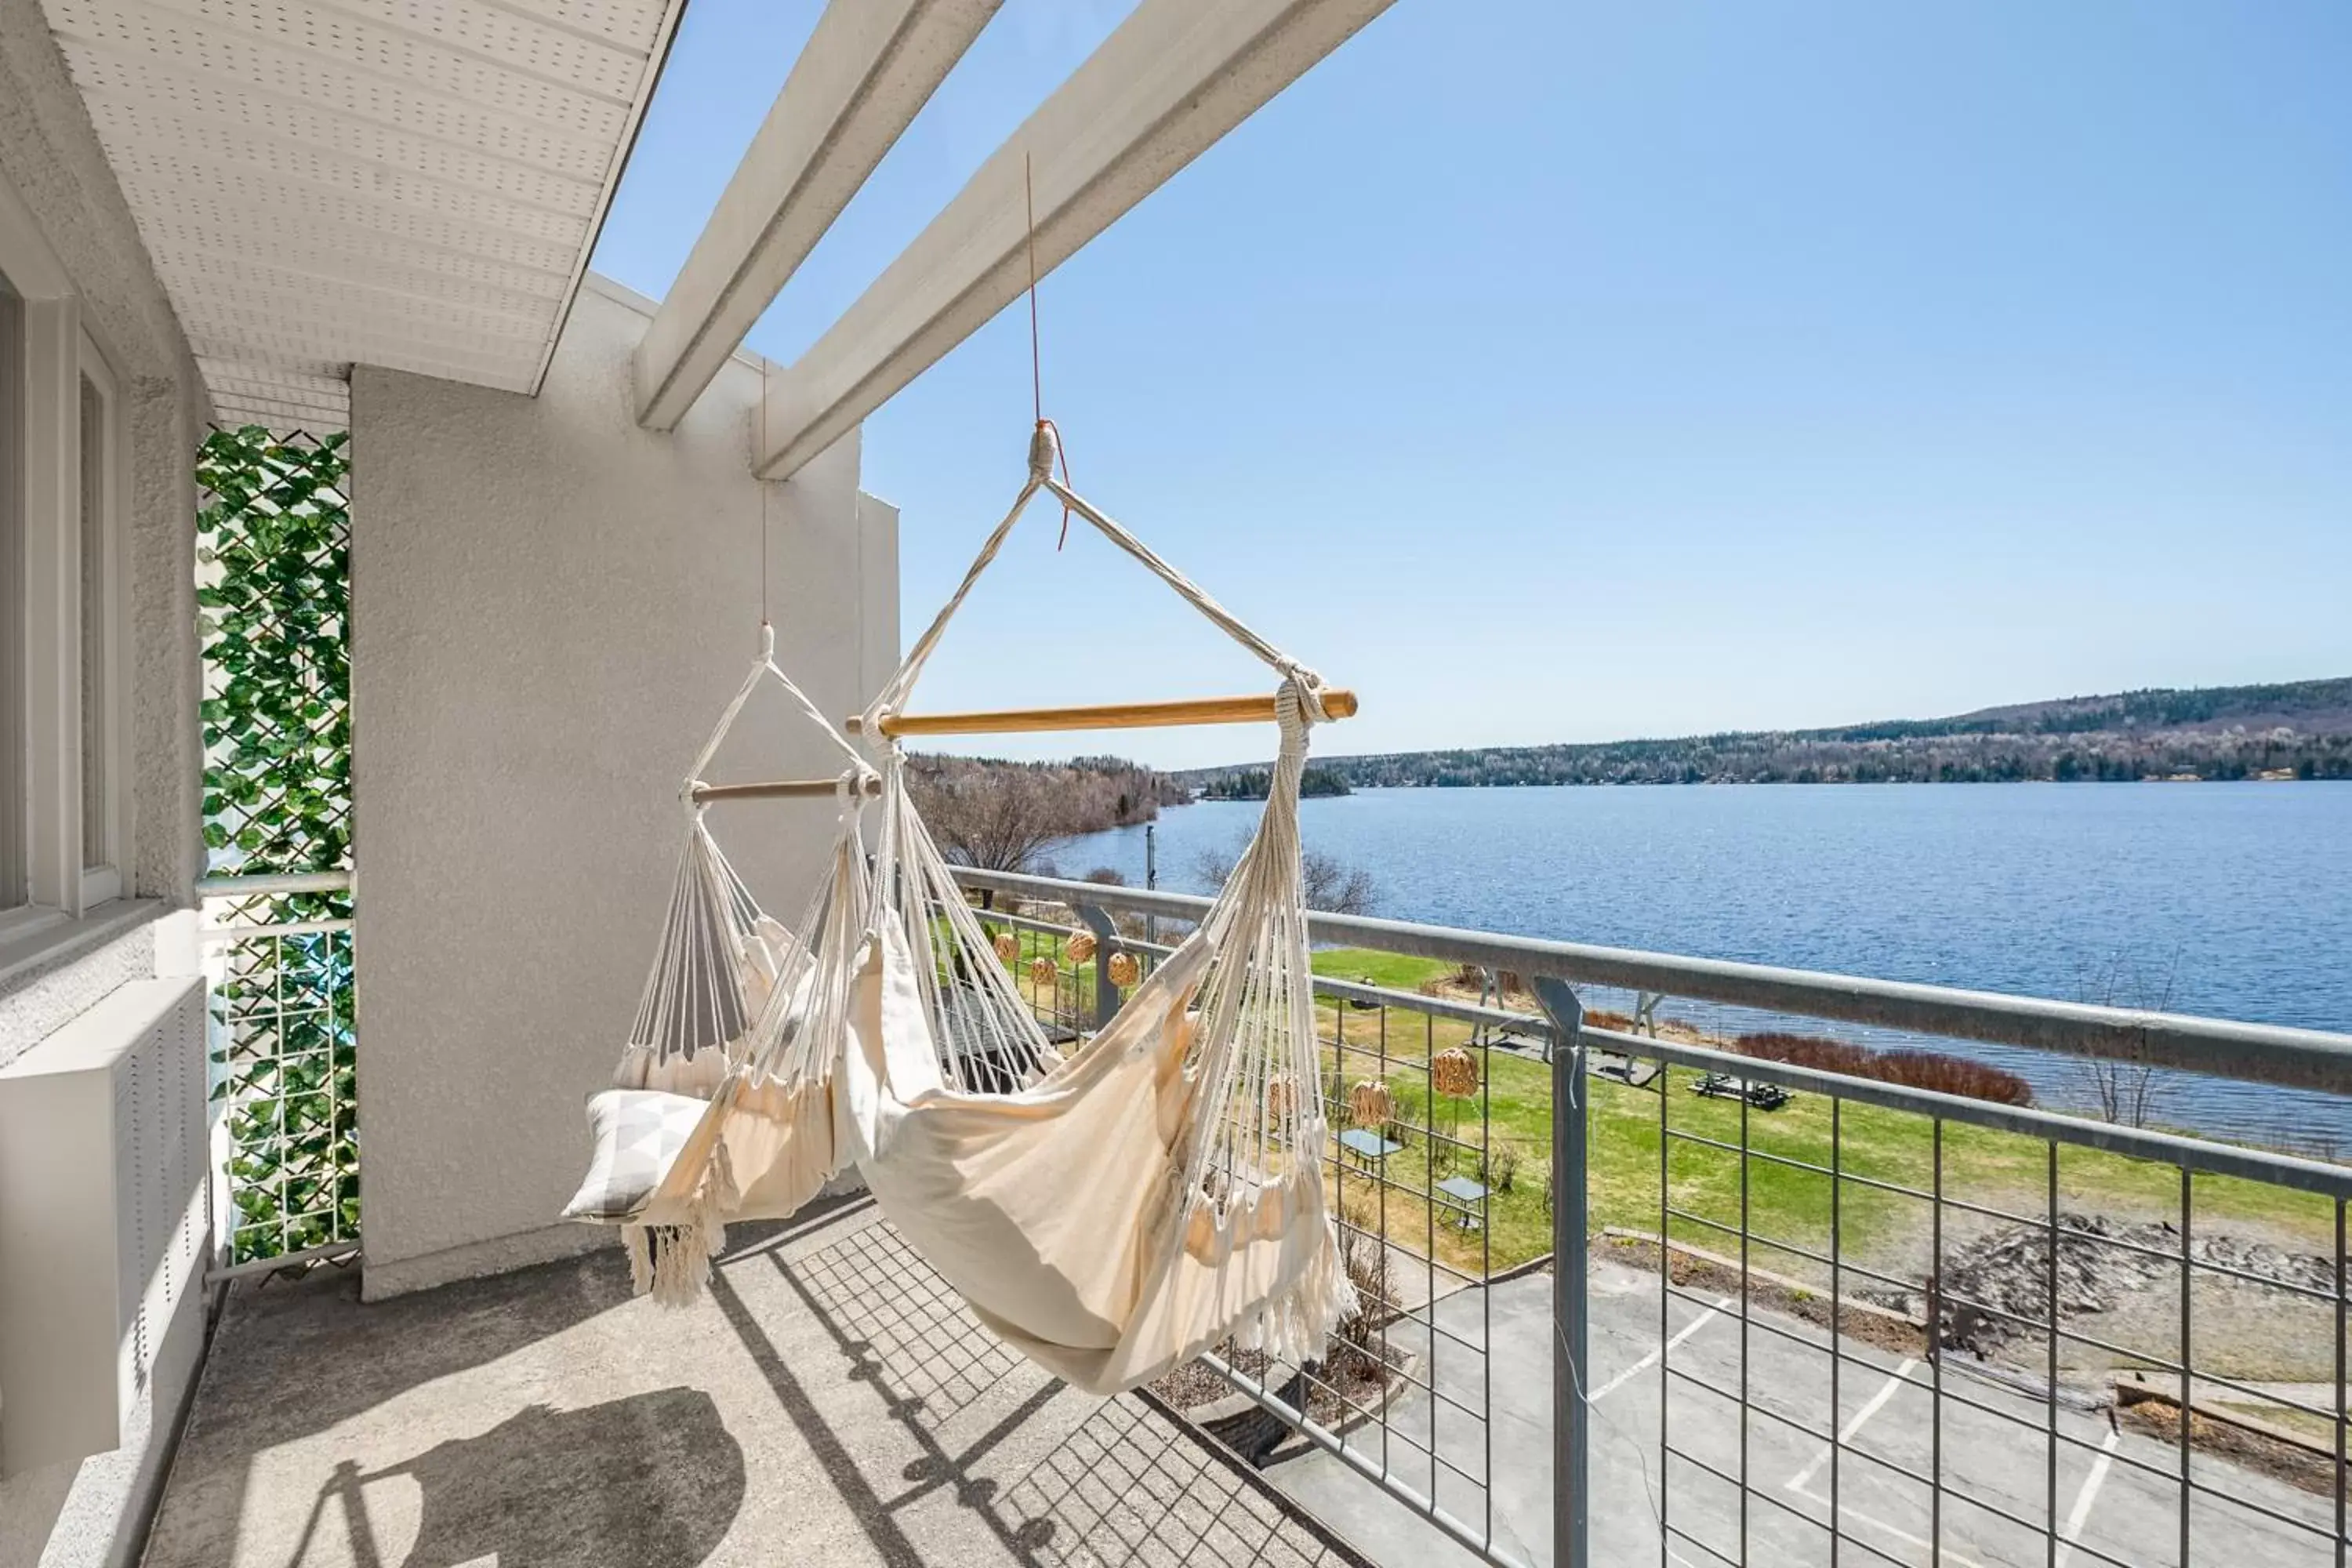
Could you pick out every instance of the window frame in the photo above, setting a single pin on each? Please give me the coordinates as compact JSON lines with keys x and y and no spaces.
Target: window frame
{"x":16,"y":811}
{"x":59,"y":348}
{"x":106,"y":879}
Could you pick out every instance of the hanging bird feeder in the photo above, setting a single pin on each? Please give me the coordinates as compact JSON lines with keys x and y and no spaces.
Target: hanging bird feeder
{"x":1453,"y":1072}
{"x":1370,"y":1104}
{"x":1281,"y":1098}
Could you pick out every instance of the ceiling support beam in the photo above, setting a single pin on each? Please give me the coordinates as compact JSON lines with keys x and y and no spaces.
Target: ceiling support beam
{"x":1175,"y":76}
{"x":868,"y":68}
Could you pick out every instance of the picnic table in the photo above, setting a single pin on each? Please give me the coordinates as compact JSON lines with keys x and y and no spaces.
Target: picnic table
{"x":1469,"y":1198}
{"x":1723,"y":1086}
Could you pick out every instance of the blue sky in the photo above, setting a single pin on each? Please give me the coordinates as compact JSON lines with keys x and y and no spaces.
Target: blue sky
{"x":1569,"y":372}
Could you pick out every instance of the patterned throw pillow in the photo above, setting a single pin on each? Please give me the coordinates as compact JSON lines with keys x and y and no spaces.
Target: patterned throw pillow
{"x":638,"y":1133}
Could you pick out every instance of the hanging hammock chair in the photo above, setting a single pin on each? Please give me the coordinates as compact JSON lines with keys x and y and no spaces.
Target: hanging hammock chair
{"x":1161,"y":1190}
{"x":723,"y":1106}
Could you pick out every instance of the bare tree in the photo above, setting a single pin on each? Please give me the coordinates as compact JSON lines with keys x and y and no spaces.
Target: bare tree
{"x":1331,"y":884}
{"x":999,"y":819}
{"x":1005,"y":817}
{"x":2127,"y":1093}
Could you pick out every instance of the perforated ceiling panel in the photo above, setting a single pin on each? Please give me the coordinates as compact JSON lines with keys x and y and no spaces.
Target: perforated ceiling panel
{"x":413,"y":183}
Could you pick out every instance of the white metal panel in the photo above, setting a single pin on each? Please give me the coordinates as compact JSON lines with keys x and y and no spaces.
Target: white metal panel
{"x":1172,"y":78}
{"x":864,"y":74}
{"x":414,"y":183}
{"x":103,"y":1214}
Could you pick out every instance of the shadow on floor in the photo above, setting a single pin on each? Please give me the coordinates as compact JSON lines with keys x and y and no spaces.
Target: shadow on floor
{"x":652,"y":1480}
{"x":1124,"y":1486}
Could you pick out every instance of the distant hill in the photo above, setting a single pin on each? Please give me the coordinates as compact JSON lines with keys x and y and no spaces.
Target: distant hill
{"x":2300,"y":730}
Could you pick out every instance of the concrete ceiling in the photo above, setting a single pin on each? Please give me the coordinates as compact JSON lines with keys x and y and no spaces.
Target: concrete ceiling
{"x":413,"y":183}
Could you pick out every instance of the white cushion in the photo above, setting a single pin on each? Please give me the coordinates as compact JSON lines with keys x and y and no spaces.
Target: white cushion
{"x":638,"y":1133}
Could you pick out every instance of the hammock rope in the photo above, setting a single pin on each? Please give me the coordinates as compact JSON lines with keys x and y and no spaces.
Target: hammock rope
{"x":1111,"y":1213}
{"x":1160,"y":1190}
{"x":1045,"y":448}
{"x":735,"y":1035}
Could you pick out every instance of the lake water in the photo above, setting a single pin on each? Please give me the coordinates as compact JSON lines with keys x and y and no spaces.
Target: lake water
{"x":2233,"y":901}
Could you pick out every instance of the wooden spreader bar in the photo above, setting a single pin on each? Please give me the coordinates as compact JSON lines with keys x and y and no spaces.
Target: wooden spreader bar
{"x":1337,"y":703}
{"x":781,"y":789}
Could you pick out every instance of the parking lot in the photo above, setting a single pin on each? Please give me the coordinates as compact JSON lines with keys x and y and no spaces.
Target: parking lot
{"x":2113,"y":1494}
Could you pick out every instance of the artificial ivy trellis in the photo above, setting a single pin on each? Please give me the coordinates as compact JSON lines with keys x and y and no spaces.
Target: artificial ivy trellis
{"x":274,"y":594}
{"x":274,"y":574}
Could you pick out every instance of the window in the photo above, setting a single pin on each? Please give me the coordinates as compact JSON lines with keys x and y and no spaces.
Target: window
{"x":64,"y":689}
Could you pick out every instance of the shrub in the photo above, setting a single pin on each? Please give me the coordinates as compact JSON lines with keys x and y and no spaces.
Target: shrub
{"x":1948,"y":1074}
{"x":1937,"y":1071}
{"x":1365,"y":1257}
{"x":1810,"y":1051}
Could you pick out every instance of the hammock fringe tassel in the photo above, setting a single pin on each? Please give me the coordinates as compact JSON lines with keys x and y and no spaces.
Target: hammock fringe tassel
{"x":1295,"y":1325}
{"x":672,"y":1262}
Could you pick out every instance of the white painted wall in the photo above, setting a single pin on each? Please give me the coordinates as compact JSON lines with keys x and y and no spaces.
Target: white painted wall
{"x":549,"y":607}
{"x":69,"y":1515}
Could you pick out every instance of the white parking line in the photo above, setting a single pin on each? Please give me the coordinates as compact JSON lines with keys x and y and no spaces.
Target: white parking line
{"x":1877,"y":1403}
{"x":2084,"y":1499}
{"x":1946,"y":1555}
{"x":1651,"y":1359}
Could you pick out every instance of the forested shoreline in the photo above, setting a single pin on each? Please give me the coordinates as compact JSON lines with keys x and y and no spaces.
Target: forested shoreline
{"x":2297,"y":731}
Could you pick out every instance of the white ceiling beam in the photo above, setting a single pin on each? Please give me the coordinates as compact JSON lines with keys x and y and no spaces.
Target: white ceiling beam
{"x":868,"y":68}
{"x":1175,"y":76}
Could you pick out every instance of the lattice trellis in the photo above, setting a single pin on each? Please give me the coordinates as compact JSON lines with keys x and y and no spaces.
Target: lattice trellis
{"x":274,"y":587}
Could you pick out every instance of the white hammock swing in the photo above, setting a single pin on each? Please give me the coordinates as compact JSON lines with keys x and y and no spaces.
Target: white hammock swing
{"x":1155,"y":1194}
{"x":1161,"y":1190}
{"x":721,"y":1106}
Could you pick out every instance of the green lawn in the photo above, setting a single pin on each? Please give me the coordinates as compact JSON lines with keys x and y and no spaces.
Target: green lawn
{"x":1373,"y":967}
{"x":1785,"y":1201}
{"x":1509,"y":1147}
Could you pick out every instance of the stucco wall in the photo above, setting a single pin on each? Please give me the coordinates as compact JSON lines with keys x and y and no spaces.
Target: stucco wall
{"x":69,"y":1515}
{"x":549,"y":607}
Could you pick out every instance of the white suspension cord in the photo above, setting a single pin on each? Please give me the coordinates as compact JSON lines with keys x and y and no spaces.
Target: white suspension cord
{"x":1042,"y":450}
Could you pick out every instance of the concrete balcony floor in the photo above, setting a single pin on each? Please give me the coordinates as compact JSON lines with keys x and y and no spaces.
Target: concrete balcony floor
{"x":830,"y":1402}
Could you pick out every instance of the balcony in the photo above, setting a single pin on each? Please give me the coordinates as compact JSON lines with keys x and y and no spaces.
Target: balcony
{"x":1865,"y":1345}
{"x":1661,"y":1258}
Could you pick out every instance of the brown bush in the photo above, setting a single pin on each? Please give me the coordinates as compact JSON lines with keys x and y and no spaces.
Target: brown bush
{"x":1936,"y":1071}
{"x":1954,"y":1074}
{"x":1810,"y":1051}
{"x":1365,"y":1255}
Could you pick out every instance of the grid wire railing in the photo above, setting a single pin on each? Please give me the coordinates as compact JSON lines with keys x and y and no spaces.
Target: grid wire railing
{"x":284,"y":1064}
{"x":1824,"y":1317}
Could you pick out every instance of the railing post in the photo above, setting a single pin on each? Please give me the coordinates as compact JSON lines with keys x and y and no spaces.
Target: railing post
{"x":1105,"y":932}
{"x":1572,"y":1518}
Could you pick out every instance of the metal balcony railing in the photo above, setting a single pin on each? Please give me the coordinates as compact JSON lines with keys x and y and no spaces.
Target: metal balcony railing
{"x":284,"y":1065}
{"x":1811,"y":1316}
